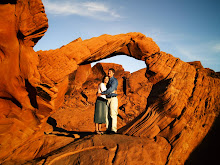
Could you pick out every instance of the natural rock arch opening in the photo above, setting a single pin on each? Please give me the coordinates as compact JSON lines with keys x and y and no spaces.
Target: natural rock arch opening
{"x":128,"y":63}
{"x":82,"y":90}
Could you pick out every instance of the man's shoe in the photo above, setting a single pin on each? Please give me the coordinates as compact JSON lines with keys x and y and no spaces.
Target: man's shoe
{"x":108,"y":132}
{"x":112,"y":132}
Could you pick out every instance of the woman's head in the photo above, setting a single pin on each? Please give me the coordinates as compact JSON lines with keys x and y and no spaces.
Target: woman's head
{"x":105,"y":79}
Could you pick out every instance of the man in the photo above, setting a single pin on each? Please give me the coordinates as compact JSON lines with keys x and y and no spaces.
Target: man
{"x":111,"y":122}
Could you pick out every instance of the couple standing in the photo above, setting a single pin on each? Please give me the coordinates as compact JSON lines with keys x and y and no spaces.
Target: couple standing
{"x":106,"y":106}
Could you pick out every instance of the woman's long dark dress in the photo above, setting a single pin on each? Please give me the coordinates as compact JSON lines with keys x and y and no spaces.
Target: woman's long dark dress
{"x":100,"y":107}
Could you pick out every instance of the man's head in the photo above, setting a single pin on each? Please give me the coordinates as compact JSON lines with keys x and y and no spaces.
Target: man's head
{"x":111,"y":72}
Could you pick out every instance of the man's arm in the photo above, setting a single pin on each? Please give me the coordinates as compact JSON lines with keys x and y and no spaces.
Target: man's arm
{"x":111,"y":89}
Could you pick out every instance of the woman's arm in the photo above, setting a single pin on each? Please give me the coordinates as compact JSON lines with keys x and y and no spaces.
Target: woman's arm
{"x":111,"y":89}
{"x":102,"y":87}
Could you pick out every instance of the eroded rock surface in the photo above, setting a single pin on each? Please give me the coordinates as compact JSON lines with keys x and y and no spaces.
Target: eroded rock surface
{"x":168,"y":107}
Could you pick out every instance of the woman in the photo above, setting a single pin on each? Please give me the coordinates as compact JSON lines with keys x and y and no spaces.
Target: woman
{"x":101,"y":107}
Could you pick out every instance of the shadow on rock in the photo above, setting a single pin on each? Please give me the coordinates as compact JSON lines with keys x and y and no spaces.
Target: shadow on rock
{"x":207,"y":151}
{"x":62,"y":132}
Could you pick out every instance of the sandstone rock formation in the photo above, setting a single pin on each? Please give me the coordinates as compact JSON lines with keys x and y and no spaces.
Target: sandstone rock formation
{"x":133,"y":91}
{"x":166,"y":109}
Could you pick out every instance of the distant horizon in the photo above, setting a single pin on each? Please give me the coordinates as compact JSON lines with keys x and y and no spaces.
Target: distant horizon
{"x":103,"y":61}
{"x":131,"y":65}
{"x":94,"y":63}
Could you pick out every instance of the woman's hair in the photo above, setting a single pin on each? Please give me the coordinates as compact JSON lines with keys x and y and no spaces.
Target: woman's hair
{"x":103,"y":79}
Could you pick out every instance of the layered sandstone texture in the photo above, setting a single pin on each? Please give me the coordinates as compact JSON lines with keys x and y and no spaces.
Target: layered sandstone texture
{"x":47,"y":97}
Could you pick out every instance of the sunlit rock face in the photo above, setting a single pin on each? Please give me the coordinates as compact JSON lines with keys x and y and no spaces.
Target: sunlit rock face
{"x":20,"y":29}
{"x":165,"y":109}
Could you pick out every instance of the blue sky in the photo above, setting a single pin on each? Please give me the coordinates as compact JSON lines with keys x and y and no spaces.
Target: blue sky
{"x":187,"y":29}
